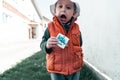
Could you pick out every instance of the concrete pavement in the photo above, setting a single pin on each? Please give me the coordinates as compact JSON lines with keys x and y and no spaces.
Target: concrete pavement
{"x":14,"y":52}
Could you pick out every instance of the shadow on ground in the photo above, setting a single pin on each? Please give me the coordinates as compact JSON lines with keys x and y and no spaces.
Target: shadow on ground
{"x":33,"y":68}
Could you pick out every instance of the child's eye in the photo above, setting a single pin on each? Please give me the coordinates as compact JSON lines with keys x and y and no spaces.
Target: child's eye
{"x":68,"y":7}
{"x":60,"y":6}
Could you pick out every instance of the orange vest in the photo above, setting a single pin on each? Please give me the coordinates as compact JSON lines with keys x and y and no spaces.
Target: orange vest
{"x":70,"y":59}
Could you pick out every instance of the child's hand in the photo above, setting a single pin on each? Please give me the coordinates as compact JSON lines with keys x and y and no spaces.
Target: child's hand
{"x":51,"y":42}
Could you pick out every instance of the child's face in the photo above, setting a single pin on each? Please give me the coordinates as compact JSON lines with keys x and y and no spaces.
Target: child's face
{"x":64,"y":10}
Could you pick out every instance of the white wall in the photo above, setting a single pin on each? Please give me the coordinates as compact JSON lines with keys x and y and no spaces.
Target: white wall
{"x":13,"y":30}
{"x":100,"y":25}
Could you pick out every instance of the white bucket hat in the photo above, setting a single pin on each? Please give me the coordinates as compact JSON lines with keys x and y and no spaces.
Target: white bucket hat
{"x":52,"y":8}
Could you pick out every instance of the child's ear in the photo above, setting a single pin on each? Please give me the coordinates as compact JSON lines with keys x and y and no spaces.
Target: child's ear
{"x":54,"y":10}
{"x":74,"y":13}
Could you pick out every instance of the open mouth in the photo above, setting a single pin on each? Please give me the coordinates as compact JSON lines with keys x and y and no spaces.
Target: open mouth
{"x":63,"y":17}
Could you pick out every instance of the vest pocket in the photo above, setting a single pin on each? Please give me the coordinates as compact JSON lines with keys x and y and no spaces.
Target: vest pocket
{"x":76,"y":39}
{"x":78,"y":60}
{"x":58,"y":62}
{"x":54,"y":62}
{"x":50,"y":61}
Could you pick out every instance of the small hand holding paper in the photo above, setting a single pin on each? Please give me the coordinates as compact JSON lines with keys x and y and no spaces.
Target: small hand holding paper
{"x":62,"y":40}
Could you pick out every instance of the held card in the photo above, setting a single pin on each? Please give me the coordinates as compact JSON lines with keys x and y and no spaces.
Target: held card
{"x":62,"y":40}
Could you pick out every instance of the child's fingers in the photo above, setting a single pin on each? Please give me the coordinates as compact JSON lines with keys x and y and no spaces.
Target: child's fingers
{"x":52,"y":42}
